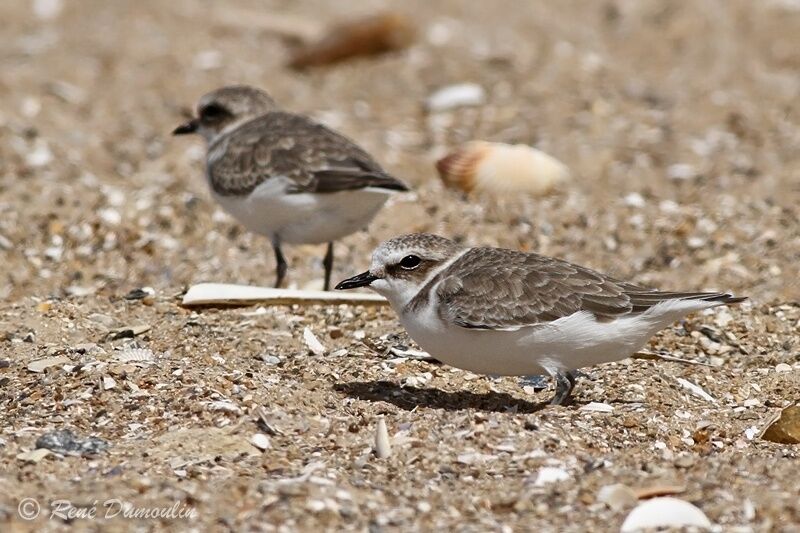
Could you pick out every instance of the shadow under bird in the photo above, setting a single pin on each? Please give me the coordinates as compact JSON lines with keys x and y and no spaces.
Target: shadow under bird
{"x":505,"y":312}
{"x":284,"y":175}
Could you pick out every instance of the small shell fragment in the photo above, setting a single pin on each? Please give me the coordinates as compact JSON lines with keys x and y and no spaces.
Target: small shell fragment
{"x":312,"y":342}
{"x":617,"y":496}
{"x":550,"y":474}
{"x":453,"y":96}
{"x":383,"y":448}
{"x":135,"y":355}
{"x":499,"y":168}
{"x":361,"y":37}
{"x":260,"y":441}
{"x":665,"y":512}
{"x":42,"y":364}
{"x":785,"y":429}
{"x":597,"y":407}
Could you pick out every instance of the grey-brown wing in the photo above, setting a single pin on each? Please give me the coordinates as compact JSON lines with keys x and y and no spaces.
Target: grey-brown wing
{"x":313,"y":157}
{"x":491,"y":288}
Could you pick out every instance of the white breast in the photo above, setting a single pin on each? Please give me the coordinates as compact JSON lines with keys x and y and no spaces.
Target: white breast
{"x":303,"y":218}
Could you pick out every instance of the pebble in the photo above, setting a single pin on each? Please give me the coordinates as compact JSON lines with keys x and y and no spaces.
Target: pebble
{"x":65,"y":442}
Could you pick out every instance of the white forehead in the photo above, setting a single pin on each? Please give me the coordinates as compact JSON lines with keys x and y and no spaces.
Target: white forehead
{"x":384,"y":255}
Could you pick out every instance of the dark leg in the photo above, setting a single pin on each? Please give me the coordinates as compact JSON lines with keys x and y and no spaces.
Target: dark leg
{"x":565,"y":381}
{"x":327,"y":262}
{"x":280,"y":261}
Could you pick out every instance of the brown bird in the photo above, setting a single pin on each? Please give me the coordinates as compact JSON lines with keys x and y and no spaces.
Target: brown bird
{"x":284,"y":175}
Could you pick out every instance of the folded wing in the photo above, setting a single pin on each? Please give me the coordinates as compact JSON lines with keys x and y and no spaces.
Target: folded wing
{"x":314,"y":157}
{"x":491,"y":288}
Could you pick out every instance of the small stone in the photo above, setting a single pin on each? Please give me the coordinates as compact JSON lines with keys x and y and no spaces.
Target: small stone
{"x":65,"y":442}
{"x":782,"y":367}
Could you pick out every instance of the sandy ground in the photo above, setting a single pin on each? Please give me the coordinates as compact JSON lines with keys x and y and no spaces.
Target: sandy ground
{"x":679,"y":121}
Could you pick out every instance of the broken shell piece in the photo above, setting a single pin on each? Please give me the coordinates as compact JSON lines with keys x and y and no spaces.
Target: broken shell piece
{"x":502,"y":169}
{"x":617,"y":496}
{"x":312,"y":342}
{"x":260,"y":441}
{"x":453,"y":96}
{"x":665,"y":512}
{"x":786,"y":428}
{"x":382,"y":447}
{"x":42,"y":364}
{"x":365,"y":36}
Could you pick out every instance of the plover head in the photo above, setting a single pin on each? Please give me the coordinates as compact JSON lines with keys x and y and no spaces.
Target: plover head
{"x":226,"y":108}
{"x":401,"y":266}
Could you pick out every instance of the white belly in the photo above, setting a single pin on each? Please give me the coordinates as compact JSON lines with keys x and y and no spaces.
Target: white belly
{"x":304,"y":218}
{"x":572,"y":342}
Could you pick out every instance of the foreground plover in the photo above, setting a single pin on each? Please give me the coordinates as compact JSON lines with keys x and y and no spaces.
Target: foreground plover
{"x":285,"y":176}
{"x":504,"y":312}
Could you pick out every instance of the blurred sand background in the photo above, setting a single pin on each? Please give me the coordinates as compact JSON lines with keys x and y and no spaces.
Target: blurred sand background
{"x":679,"y":121}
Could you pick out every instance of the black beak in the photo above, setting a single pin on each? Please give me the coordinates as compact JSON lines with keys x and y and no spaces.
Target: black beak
{"x":186,"y":128}
{"x":362,"y":280}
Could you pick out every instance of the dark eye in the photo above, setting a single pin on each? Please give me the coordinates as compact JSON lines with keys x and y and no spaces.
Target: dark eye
{"x":410,"y":262}
{"x":212,"y":112}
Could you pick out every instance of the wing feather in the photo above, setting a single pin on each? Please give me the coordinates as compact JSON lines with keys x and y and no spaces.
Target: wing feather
{"x":315,"y":158}
{"x":492,"y":288}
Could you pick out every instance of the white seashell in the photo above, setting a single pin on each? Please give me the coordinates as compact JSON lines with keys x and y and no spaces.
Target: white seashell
{"x":665,"y":512}
{"x":617,"y":496}
{"x":459,"y":95}
{"x":383,"y":448}
{"x":501,"y":168}
{"x":227,"y":294}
